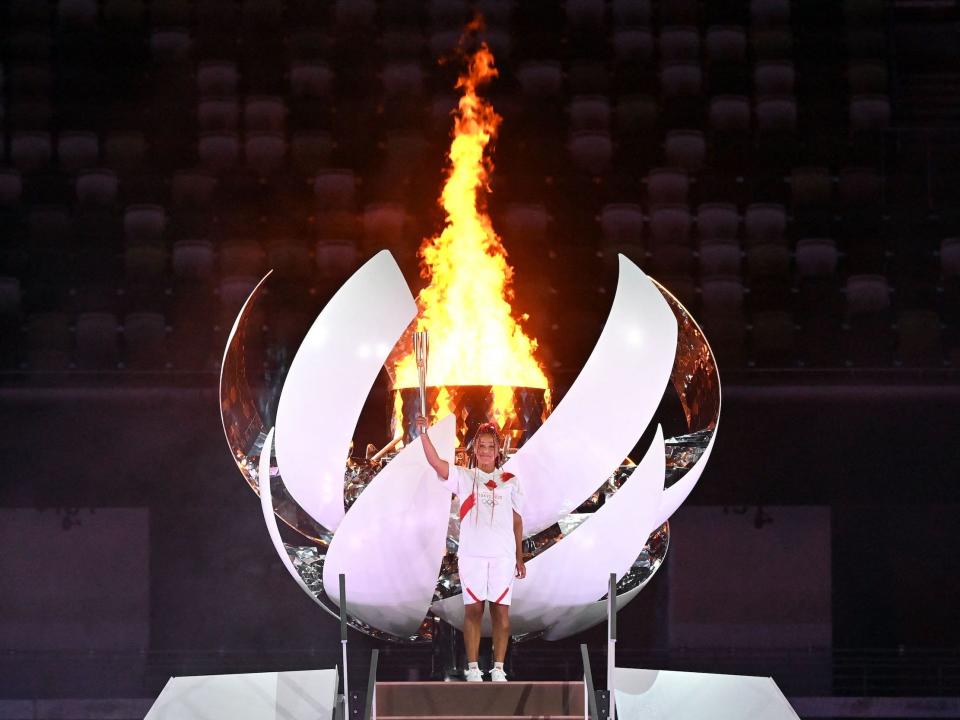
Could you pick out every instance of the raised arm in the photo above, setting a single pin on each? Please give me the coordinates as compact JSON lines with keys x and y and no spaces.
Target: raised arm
{"x":441,"y":466}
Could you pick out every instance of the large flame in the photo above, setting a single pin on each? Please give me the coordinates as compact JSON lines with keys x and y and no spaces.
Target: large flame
{"x":475,"y":338}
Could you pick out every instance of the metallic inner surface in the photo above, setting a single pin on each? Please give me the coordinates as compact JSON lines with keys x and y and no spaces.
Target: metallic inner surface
{"x":243,"y":409}
{"x":694,"y":375}
{"x":473,"y":406}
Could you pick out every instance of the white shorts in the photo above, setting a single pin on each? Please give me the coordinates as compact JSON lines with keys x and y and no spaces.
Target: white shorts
{"x":487,"y":579}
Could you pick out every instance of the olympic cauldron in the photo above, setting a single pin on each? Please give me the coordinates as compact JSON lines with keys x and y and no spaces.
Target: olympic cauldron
{"x":563,"y":538}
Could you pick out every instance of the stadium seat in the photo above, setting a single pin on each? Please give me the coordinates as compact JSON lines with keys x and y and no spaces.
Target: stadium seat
{"x":170,"y":45}
{"x":193,"y":260}
{"x":526,"y":223}
{"x":868,"y":340}
{"x":218,"y":114}
{"x":717,"y":221}
{"x":726,"y":44}
{"x":631,"y":13}
{"x":336,"y":259}
{"x":49,"y":341}
{"x":729,"y":114}
{"x":217,"y":79}
{"x":218,"y":151}
{"x":144,"y":337}
{"x":540,"y":79}
{"x":335,"y":189}
{"x":811,"y":190}
{"x":97,"y":187}
{"x":869,"y":113}
{"x":192,"y":190}
{"x":773,"y":339}
{"x":764,"y":222}
{"x":289,"y":259}
{"x":586,"y":15}
{"x":591,"y":152}
{"x":241,"y":258}
{"x":667,"y":186}
{"x":354,"y":15}
{"x":681,"y":80}
{"x":11,"y":187}
{"x":144,"y":224}
{"x":402,"y":79}
{"x":589,"y":112}
{"x":679,"y":45}
{"x":265,"y":152}
{"x":265,"y":114}
{"x":919,"y":341}
{"x":670,"y":225}
{"x":621,"y":223}
{"x":31,"y":151}
{"x":770,"y":12}
{"x":685,"y":149}
{"x":311,"y":79}
{"x":720,"y":256}
{"x":98,"y":346}
{"x":633,"y":45}
{"x":774,"y":78}
{"x":383,"y":228}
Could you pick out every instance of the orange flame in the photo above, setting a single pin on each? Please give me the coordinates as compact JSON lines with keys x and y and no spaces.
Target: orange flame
{"x":475,"y":339}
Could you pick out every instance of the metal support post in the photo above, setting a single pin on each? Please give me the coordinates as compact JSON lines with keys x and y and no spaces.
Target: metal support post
{"x":343,"y":645}
{"x":612,"y":642}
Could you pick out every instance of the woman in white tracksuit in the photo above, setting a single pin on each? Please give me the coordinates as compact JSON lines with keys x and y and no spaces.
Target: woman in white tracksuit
{"x":491,"y":530}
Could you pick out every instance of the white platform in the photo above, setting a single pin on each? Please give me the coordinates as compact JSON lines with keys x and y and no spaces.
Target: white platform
{"x":297,"y":695}
{"x":670,"y":695}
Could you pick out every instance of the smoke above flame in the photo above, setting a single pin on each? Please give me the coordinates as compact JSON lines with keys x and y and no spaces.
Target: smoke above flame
{"x":475,"y":337}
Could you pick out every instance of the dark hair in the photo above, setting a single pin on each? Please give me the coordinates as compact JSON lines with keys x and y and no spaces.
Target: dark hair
{"x":491,"y":430}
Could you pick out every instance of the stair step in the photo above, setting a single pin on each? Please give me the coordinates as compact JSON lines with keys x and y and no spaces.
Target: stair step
{"x":476,"y":701}
{"x":479,"y":717}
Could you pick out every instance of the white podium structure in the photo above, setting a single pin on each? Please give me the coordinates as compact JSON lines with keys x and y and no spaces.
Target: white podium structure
{"x":297,"y":695}
{"x":670,"y":695}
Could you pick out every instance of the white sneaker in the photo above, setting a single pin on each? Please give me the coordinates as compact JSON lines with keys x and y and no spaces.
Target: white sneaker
{"x":474,"y":675}
{"x":498,"y":675}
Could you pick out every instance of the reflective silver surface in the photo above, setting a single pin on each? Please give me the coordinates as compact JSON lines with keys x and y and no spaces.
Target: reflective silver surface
{"x":246,"y":397}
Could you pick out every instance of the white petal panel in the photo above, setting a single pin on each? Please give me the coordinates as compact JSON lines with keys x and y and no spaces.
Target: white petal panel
{"x":330,"y":378}
{"x":266,"y":505}
{"x":674,"y":495}
{"x":576,"y":571}
{"x":606,"y":409}
{"x":589,"y":615}
{"x":392,"y":541}
{"x":694,"y":696}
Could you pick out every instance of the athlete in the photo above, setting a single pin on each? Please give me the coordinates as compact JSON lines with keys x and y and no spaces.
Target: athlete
{"x":491,"y":530}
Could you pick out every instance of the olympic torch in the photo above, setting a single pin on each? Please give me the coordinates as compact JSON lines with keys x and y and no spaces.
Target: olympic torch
{"x":421,"y":347}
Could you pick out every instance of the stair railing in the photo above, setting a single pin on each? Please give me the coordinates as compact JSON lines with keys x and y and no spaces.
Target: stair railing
{"x":370,"y":712}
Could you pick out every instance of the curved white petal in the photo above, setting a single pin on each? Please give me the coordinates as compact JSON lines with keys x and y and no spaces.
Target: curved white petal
{"x":330,"y":378}
{"x":589,"y":615}
{"x":391,"y":542}
{"x":674,"y":495}
{"x":576,"y":571}
{"x":266,"y":505}
{"x":605,"y":410}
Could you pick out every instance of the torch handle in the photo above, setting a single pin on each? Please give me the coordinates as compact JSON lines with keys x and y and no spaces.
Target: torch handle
{"x":421,"y":345}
